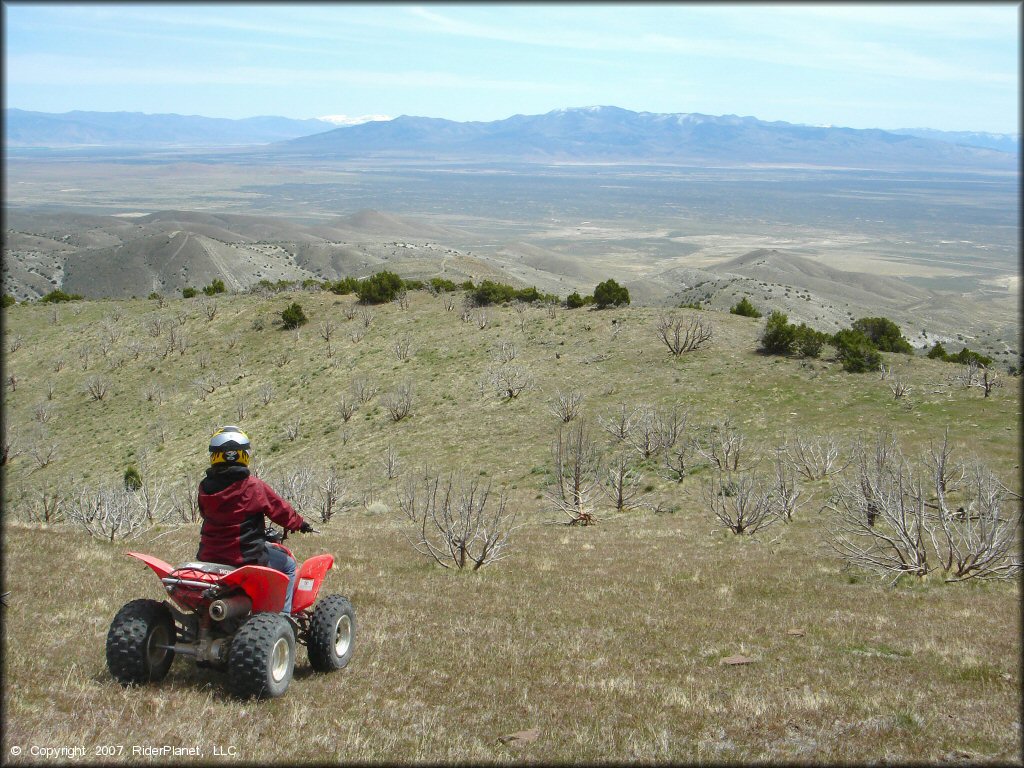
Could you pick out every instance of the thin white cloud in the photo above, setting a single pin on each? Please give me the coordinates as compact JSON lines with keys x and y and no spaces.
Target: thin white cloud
{"x":53,"y":69}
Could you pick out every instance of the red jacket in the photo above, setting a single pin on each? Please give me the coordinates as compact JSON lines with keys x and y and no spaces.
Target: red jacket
{"x":233,"y":504}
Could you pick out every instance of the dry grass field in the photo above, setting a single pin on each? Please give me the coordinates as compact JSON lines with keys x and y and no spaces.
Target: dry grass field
{"x":596,"y":643}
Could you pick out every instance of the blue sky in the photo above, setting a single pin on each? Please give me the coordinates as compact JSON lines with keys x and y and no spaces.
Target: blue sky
{"x":944,"y":66}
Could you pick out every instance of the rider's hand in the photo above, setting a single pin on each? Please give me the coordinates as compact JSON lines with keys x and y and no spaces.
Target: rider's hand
{"x":305,"y":527}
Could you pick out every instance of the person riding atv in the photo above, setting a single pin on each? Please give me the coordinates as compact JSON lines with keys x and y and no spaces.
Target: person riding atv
{"x":233,"y":503}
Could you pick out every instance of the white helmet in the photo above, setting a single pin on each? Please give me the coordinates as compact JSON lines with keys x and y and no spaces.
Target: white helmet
{"x":230,"y":445}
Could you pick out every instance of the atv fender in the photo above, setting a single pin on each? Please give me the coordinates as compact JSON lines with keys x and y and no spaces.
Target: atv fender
{"x":308,"y":580}
{"x":264,"y":586}
{"x":159,"y":567}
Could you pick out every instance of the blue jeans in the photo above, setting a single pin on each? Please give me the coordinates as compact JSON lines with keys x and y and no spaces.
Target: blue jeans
{"x":279,"y":561}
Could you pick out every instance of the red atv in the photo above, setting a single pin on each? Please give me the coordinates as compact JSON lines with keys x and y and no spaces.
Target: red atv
{"x":229,"y":619}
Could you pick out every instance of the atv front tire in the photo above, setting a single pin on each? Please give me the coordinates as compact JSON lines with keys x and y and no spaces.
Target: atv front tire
{"x":332,"y":634}
{"x":262,"y":657}
{"x":135,"y":652}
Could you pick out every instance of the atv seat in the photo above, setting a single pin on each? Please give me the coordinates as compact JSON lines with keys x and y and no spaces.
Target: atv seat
{"x":214,"y":568}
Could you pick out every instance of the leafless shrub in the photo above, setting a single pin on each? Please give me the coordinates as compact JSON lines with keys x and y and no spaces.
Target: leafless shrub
{"x":154,"y":326}
{"x":292,"y":428}
{"x":208,"y":308}
{"x":43,"y":449}
{"x":110,"y":513}
{"x":403,"y":348}
{"x":980,"y":539}
{"x":481,"y":319}
{"x":989,"y":381}
{"x":948,"y":474}
{"x":785,"y":492}
{"x":135,"y":348}
{"x":815,"y":458}
{"x":899,"y":388}
{"x":391,"y":462}
{"x":552,"y":309}
{"x":455,"y":523}
{"x":366,"y":317}
{"x":15,"y":343}
{"x":111,"y":328}
{"x":47,"y":502}
{"x":449,"y":302}
{"x":9,"y":447}
{"x":153,"y":392}
{"x":884,"y":371}
{"x":348,"y":311}
{"x":880,"y":519}
{"x":183,"y":314}
{"x":266,"y":393}
{"x":739,"y":502}
{"x":12,"y":381}
{"x":576,"y":474}
{"x":622,"y":482}
{"x":566,"y":405}
{"x":509,"y":380}
{"x":42,"y":412}
{"x":241,"y":365}
{"x":363,"y":389}
{"x":327,"y":329}
{"x":58,"y":364}
{"x":206,"y":385}
{"x":240,"y":407}
{"x":297,"y":486}
{"x":402,"y":298}
{"x":203,"y":360}
{"x":467,"y":313}
{"x":106,"y":346}
{"x":231,"y":340}
{"x":619,"y":424}
{"x":723,"y":445}
{"x":645,"y":434}
{"x":346,"y":408}
{"x":356,"y":334}
{"x":98,"y":387}
{"x":51,"y":387}
{"x":330,"y":493}
{"x":185,"y":501}
{"x":680,"y":339}
{"x":399,"y":401}
{"x":55,"y":316}
{"x":84,"y":354}
{"x":676,"y":461}
{"x":282,"y":358}
{"x":505,"y":352}
{"x":521,"y":309}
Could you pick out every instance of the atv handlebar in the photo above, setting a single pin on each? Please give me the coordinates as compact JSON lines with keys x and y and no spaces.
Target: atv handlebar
{"x":275,"y":536}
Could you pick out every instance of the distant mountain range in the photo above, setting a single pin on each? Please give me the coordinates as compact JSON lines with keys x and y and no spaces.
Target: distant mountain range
{"x":589,"y":134}
{"x":135,"y":129}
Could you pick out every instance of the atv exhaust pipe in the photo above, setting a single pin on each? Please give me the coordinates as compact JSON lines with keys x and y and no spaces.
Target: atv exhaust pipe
{"x":230,"y":607}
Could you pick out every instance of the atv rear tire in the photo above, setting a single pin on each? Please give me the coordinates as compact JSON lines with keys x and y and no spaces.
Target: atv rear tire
{"x":262,"y":657}
{"x":332,"y":634}
{"x":137,"y":631}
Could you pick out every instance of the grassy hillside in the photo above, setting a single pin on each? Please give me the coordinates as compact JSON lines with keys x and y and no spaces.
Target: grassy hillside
{"x":606,"y":639}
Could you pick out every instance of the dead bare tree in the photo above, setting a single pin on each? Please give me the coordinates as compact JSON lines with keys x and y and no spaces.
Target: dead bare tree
{"x":363,"y":389}
{"x":402,"y":298}
{"x":619,"y":423}
{"x":566,"y":405}
{"x":899,"y":387}
{"x":403,"y":348}
{"x":327,"y":329}
{"x":739,"y":502}
{"x":47,"y":502}
{"x":645,"y":433}
{"x":110,"y":513}
{"x":680,"y":339}
{"x":42,"y":413}
{"x":240,"y":407}
{"x":346,"y":408}
{"x":723,"y":445}
{"x":331,"y":492}
{"x":989,"y":380}
{"x":481,"y":319}
{"x":15,"y":343}
{"x":505,"y":352}
{"x":449,"y":302}
{"x":521,"y":308}
{"x":266,"y":393}
{"x":293,"y":428}
{"x":185,"y":501}
{"x":390,"y":462}
{"x":366,"y":317}
{"x":980,"y":538}
{"x":349,"y":311}
{"x":622,"y":482}
{"x":880,"y":522}
{"x":509,"y":380}
{"x":785,"y":492}
{"x":577,"y":473}
{"x":98,"y":387}
{"x":399,"y":401}
{"x":455,"y":524}
{"x":9,"y":449}
{"x":815,"y":458}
